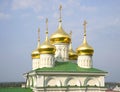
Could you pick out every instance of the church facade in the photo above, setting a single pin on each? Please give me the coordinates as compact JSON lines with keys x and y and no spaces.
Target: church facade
{"x":56,"y":67}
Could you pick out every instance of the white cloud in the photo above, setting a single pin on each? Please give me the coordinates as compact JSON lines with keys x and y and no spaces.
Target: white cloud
{"x":4,"y":16}
{"x":116,"y":21}
{"x":21,"y":4}
{"x":40,"y":17}
{"x":55,"y":15}
{"x":88,"y":8}
{"x":104,"y":24}
{"x":76,"y":5}
{"x":36,"y":5}
{"x":25,"y":15}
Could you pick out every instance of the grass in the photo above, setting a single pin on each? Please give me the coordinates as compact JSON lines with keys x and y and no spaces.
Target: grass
{"x":69,"y":67}
{"x":15,"y":89}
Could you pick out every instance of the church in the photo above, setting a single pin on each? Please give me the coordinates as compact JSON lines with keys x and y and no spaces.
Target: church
{"x":56,"y":67}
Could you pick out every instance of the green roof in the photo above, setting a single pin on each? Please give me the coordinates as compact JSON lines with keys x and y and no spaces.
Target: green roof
{"x":14,"y":89}
{"x":68,"y":67}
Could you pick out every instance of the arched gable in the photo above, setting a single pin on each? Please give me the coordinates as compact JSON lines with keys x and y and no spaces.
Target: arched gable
{"x":52,"y":82}
{"x":72,"y":82}
{"x":91,"y":81}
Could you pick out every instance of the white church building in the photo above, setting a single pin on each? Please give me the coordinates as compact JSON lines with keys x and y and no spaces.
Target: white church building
{"x":56,"y":67}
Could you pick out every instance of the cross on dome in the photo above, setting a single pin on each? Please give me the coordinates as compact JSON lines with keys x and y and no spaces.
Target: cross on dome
{"x":84,"y":24}
{"x":38,"y":34}
{"x":46,"y":25}
{"x":70,"y":33}
{"x":60,"y":9}
{"x":38,"y":38}
{"x":46,"y":29}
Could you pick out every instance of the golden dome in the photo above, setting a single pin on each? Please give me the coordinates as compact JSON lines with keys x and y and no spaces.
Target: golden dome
{"x":46,"y":47}
{"x":35,"y":53}
{"x":85,"y":48}
{"x":60,"y":36}
{"x":72,"y":53}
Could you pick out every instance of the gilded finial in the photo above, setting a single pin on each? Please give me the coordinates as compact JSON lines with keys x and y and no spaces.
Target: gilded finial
{"x":70,"y":34}
{"x":46,"y":28}
{"x":38,"y":34}
{"x":70,"y":47}
{"x":38,"y":38}
{"x":84,"y":24}
{"x":46,"y":25}
{"x":60,"y":9}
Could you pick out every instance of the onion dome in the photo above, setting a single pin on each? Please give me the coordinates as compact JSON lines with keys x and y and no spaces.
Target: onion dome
{"x":47,"y":47}
{"x":60,"y":36}
{"x":85,"y":48}
{"x":72,"y":53}
{"x":36,"y":54}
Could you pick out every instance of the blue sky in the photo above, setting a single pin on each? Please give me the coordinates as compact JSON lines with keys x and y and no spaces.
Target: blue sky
{"x":20,"y":19}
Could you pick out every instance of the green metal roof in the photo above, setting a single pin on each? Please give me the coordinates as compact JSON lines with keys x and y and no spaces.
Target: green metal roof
{"x":68,"y":67}
{"x":15,"y":89}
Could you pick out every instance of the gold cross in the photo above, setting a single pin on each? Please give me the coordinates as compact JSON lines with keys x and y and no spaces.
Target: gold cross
{"x":38,"y":34}
{"x":60,"y":8}
{"x":46,"y":25}
{"x":84,"y":24}
{"x":70,"y":33}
